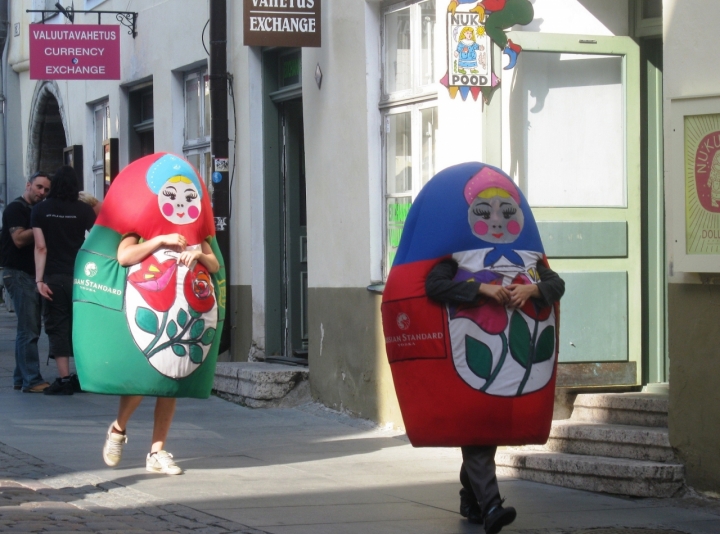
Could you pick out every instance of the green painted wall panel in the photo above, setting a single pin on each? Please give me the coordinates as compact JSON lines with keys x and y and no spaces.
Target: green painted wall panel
{"x":591,"y":239}
{"x":594,"y":317}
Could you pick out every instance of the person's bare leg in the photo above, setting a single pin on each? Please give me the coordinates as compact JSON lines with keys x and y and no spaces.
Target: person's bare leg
{"x":128,"y":405}
{"x":164,"y":412}
{"x":63,"y":366}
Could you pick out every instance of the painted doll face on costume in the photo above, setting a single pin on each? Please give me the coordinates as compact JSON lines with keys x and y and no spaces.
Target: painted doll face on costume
{"x":495,"y":217}
{"x":179,"y":201}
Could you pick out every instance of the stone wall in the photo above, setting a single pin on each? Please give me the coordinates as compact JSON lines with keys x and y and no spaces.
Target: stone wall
{"x":694,"y":347}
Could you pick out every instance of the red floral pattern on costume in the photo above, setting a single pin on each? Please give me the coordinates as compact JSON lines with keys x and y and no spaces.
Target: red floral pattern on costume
{"x":486,"y":312}
{"x":156,"y":282}
{"x":198,"y":289}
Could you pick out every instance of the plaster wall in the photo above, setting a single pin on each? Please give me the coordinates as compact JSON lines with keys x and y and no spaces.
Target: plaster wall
{"x":693,"y":310}
{"x":153,"y":55}
{"x":588,"y":17}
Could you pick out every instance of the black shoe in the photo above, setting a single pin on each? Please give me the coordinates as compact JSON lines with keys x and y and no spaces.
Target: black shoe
{"x":499,"y":517}
{"x":75,"y":381}
{"x":469,"y":507}
{"x":17,"y":388}
{"x":61,"y":386}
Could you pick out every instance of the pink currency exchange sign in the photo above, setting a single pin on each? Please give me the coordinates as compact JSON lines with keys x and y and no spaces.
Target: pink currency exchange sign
{"x":74,"y":52}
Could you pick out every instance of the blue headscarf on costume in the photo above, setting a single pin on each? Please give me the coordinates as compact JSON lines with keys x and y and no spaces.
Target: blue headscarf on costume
{"x":437,"y":224}
{"x":168,"y":166}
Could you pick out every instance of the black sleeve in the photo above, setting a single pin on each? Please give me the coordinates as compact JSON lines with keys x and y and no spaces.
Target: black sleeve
{"x":440,"y":286}
{"x":36,"y":218}
{"x":15,"y":216}
{"x":551,"y":286}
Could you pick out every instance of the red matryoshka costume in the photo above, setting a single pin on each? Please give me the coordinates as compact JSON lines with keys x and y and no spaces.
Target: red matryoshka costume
{"x":151,"y":328}
{"x":476,"y":373}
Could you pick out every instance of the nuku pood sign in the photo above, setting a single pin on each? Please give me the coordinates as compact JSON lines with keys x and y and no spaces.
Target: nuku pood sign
{"x":77,"y":52}
{"x":281,"y":23}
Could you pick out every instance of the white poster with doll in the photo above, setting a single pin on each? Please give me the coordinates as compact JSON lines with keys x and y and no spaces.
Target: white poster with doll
{"x":469,"y":50}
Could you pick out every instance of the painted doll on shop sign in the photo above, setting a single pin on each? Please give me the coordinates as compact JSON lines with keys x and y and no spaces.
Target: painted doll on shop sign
{"x":470,"y":55}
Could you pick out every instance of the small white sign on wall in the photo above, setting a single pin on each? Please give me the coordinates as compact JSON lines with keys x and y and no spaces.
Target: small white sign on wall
{"x":693,"y":185}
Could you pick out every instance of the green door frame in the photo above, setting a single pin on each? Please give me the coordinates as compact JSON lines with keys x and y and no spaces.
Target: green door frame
{"x":631,"y":216}
{"x":277,"y":302}
{"x":274,"y":308}
{"x":655,"y":283}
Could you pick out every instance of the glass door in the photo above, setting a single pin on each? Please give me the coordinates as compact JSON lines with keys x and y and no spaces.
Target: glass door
{"x":571,"y":139}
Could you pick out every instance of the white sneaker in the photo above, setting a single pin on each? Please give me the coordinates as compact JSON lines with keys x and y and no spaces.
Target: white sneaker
{"x":162,"y":462}
{"x":112,"y":451}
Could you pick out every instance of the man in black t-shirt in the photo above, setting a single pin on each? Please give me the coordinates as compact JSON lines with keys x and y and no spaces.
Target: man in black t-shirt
{"x":59,"y":225}
{"x":18,"y":262}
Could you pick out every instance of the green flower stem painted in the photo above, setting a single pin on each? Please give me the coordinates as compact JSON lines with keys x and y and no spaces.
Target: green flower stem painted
{"x":501,"y":361}
{"x":533,"y":350}
{"x":158,"y":335}
{"x":177,"y":339}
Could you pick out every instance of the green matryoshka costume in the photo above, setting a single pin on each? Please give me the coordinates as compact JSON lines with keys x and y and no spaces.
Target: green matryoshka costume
{"x":152,"y":328}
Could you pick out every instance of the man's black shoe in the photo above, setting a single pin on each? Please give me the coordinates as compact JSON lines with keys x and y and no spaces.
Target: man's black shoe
{"x":75,"y":381}
{"x":61,"y":386}
{"x":469,"y":507}
{"x":499,"y":517}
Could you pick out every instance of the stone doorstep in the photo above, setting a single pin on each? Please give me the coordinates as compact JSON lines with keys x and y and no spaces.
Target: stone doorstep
{"x":621,"y":434}
{"x":619,"y":417}
{"x":638,"y":402}
{"x":633,"y":488}
{"x":593,"y":473}
{"x":262,"y":385}
{"x":580,"y":464}
{"x":615,"y":441}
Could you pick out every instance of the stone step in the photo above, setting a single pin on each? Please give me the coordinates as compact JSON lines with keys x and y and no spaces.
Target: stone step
{"x":614,"y":441}
{"x":637,"y":409}
{"x":262,"y":385}
{"x":593,"y":473}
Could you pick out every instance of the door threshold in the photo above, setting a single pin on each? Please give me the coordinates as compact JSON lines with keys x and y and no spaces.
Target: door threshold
{"x":286,"y":361}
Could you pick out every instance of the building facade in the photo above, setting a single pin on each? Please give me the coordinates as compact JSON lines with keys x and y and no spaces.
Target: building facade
{"x":331,"y":144}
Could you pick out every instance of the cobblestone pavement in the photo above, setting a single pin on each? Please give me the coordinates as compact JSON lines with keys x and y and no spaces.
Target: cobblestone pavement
{"x":36,"y":496}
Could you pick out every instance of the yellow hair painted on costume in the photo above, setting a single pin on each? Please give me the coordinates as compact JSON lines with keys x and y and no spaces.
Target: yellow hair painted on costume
{"x":183,"y":179}
{"x":493,"y":192}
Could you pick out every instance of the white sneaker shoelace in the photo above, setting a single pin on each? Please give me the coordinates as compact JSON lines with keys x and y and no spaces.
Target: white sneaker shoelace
{"x":112,"y":452}
{"x":162,"y":462}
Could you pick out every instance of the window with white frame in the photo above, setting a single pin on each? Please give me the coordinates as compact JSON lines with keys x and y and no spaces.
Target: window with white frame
{"x":101,"y":132}
{"x":410,"y":112}
{"x":47,"y":18}
{"x":196,"y":145}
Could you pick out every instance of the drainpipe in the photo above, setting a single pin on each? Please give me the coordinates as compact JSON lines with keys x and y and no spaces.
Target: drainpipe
{"x":4,"y":30}
{"x":219,"y":148}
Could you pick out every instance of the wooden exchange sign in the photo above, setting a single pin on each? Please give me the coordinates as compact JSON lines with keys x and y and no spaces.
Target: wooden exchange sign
{"x":281,"y":23}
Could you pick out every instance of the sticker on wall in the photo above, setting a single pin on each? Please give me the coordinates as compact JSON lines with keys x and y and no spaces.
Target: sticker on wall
{"x":220,"y":224}
{"x":472,"y":27}
{"x":702,"y":184}
{"x":222,"y":164}
{"x":216,"y":177}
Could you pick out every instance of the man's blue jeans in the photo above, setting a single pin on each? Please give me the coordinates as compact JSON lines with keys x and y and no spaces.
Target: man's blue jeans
{"x":28,"y":306}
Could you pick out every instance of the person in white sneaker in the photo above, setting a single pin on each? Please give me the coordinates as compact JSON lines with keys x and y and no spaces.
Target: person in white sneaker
{"x":158,"y":460}
{"x":130,"y":252}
